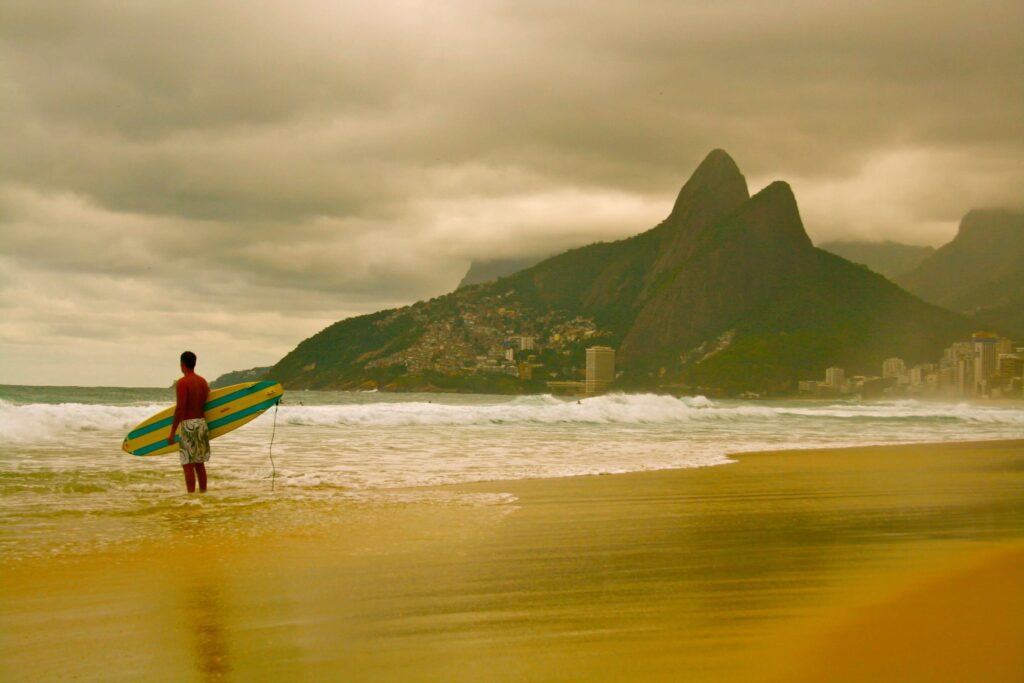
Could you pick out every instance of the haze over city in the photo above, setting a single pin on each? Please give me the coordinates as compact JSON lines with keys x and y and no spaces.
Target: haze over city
{"x":234,"y":178}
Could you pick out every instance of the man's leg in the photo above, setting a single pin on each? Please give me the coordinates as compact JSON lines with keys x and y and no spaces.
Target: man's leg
{"x":190,"y":477}
{"x":201,"y":475}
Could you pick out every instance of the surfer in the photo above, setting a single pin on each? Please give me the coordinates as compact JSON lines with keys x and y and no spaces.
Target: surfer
{"x":194,"y":446}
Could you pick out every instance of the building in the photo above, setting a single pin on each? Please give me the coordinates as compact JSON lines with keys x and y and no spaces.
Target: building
{"x":526,"y":370}
{"x":986,"y":358}
{"x":1009,"y":368}
{"x":965,"y":376}
{"x":947,"y":379}
{"x":893,"y":367}
{"x":835,"y":377}
{"x":808,"y":386}
{"x":957,"y":369}
{"x":957,"y":351}
{"x":600,"y":369}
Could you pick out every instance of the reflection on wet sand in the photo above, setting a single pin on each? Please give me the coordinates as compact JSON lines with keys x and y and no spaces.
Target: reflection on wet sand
{"x":203,"y":610}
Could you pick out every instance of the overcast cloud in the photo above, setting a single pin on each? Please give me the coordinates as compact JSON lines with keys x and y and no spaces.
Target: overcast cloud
{"x":232,"y":177}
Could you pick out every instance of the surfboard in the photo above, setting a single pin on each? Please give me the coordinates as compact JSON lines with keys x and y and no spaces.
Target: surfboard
{"x":226,"y":409}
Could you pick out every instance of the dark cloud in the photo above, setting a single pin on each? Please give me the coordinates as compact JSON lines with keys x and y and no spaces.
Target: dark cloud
{"x":263,"y":168}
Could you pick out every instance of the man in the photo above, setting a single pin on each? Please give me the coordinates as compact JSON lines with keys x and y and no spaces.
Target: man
{"x":192,"y":391}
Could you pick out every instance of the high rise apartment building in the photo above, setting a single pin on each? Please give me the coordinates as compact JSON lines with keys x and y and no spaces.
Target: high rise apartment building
{"x":986,"y":358}
{"x":600,"y":369}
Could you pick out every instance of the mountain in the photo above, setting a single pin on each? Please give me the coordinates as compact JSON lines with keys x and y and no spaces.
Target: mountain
{"x":1008,"y":316}
{"x":491,"y":269}
{"x":890,"y":259}
{"x":239,"y":376}
{"x":726,"y":294}
{"x":982,"y":266}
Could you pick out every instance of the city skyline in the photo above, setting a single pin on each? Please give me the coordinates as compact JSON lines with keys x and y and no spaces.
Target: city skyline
{"x":987,"y":366}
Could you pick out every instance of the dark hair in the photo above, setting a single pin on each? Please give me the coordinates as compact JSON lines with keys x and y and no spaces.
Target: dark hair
{"x":188,"y":359}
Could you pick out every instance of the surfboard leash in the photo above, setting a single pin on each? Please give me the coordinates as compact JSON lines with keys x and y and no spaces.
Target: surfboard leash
{"x":273,"y":469}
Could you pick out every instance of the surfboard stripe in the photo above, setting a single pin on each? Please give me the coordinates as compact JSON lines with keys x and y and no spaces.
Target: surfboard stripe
{"x":156,"y":445}
{"x":258,"y":408}
{"x":259,"y":386}
{"x":152,"y":427}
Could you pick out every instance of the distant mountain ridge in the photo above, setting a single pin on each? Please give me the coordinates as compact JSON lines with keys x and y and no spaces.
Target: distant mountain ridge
{"x":726,"y":294}
{"x":486,"y":270}
{"x":891,"y":259}
{"x":982,"y":267}
{"x":239,"y":376}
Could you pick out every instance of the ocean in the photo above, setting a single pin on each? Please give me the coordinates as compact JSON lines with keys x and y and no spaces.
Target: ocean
{"x":66,"y":486}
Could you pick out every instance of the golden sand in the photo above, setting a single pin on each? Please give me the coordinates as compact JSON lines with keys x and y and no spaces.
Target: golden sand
{"x":962,"y":622}
{"x":897,"y":563}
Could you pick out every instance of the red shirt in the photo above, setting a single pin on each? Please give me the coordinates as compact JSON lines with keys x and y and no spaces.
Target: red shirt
{"x":192,"y":391}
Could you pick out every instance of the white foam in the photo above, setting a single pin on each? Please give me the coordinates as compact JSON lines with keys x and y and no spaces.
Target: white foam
{"x":611,"y":409}
{"x":54,"y":422}
{"x":640,"y":409}
{"x":914,"y":410}
{"x":50,"y":423}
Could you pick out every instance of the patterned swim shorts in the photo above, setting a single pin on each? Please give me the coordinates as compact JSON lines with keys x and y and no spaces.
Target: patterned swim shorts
{"x":194,"y":441}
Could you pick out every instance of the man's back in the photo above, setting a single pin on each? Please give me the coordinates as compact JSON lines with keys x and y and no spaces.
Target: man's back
{"x":192,"y":391}
{"x":194,"y":440}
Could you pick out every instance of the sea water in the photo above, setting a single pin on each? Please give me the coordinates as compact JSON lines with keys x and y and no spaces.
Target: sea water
{"x":65,"y":484}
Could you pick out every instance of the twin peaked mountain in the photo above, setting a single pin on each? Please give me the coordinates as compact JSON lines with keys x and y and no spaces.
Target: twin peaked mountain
{"x":727,"y":294}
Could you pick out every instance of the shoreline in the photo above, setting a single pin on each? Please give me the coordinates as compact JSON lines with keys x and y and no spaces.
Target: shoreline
{"x":936,"y":444}
{"x":718,"y":572}
{"x":500,"y":486}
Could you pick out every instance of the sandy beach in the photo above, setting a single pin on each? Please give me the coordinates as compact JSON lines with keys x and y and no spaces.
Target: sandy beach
{"x":898,"y":563}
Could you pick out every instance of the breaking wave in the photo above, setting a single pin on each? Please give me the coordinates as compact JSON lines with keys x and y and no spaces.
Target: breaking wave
{"x":52,"y":422}
{"x":43,"y":422}
{"x":625,"y":409}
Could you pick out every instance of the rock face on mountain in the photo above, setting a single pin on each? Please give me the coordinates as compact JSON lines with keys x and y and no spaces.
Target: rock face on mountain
{"x":727,"y":293}
{"x":491,"y":269}
{"x":891,"y":259}
{"x":723,"y":272}
{"x":981,"y":268}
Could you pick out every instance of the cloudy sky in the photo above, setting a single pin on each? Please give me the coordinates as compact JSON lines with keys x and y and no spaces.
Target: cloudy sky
{"x":232,"y":177}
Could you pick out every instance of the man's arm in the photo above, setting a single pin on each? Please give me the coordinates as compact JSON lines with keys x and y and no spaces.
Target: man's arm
{"x":179,"y":394}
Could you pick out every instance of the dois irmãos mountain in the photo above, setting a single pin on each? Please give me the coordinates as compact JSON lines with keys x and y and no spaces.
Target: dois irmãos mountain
{"x":726,"y":294}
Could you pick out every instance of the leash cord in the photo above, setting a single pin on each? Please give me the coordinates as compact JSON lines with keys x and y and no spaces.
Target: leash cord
{"x":273,"y":469}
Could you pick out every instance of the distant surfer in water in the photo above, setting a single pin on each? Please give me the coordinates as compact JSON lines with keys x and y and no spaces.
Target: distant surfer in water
{"x":192,"y":391}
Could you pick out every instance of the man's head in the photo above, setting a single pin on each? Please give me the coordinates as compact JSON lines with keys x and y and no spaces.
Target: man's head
{"x":188,"y":360}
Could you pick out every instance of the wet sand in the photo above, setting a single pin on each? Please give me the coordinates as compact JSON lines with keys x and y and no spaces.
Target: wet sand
{"x":963,"y":622}
{"x":889,"y":563}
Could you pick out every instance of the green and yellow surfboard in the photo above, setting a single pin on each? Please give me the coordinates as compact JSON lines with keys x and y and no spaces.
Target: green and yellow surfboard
{"x":226,"y":409}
